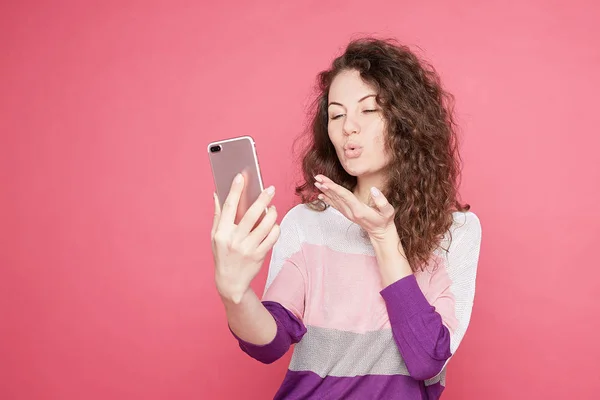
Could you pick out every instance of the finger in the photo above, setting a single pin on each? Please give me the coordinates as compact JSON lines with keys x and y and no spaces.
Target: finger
{"x":231,"y":202}
{"x":381,"y":203}
{"x":254,"y":212}
{"x":352,"y":212}
{"x":327,"y":200}
{"x":332,"y":189}
{"x":217,"y":216}
{"x":323,"y":198}
{"x":244,"y":202}
{"x":262,"y":230}
{"x":269,"y":241}
{"x":340,"y":198}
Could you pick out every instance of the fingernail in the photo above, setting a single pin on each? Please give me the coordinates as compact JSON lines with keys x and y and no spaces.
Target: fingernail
{"x":375,"y":192}
{"x":270,"y":190}
{"x":238,"y":178}
{"x":318,"y":179}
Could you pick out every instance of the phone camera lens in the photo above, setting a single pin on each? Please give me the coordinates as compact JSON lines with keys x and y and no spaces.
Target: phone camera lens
{"x":215,"y":149}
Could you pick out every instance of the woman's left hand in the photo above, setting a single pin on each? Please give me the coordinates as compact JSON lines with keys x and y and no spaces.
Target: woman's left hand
{"x":377,"y":221}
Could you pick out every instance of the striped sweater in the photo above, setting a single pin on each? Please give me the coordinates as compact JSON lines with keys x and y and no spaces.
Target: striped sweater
{"x":354,"y":338}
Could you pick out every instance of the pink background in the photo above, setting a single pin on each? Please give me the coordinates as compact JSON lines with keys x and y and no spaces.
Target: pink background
{"x":106,"y":108}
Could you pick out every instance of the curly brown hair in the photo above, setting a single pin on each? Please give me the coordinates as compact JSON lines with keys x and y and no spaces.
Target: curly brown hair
{"x":424,"y":172}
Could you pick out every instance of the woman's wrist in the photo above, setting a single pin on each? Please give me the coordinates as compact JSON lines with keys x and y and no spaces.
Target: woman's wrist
{"x":391,"y":258}
{"x":230,"y":294}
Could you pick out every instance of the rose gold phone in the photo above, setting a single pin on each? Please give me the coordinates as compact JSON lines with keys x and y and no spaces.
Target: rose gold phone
{"x":232,"y":156}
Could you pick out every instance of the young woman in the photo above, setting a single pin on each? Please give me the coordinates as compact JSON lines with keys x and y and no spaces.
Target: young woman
{"x":373,"y":275}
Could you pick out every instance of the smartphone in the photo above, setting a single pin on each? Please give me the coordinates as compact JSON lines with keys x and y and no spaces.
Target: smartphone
{"x":229,"y":157}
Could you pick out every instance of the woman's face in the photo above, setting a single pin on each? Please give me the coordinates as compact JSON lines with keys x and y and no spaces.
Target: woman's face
{"x":356,"y":125}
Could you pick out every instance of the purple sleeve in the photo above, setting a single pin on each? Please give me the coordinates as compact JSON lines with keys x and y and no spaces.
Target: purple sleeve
{"x":289,"y":330}
{"x":422,"y":338}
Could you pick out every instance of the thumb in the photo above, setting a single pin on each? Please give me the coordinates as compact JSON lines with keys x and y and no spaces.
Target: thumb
{"x":217,"y":216}
{"x":381,"y":203}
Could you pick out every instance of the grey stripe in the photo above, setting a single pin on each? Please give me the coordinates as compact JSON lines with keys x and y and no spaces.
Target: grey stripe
{"x":330,"y":352}
{"x":441,"y":378}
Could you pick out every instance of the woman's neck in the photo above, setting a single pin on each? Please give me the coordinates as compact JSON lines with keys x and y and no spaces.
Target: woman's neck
{"x":364,"y":184}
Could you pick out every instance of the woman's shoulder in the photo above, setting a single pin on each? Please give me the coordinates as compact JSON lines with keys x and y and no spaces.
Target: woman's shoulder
{"x":466,"y":226}
{"x":299,"y":214}
{"x":311,"y":223}
{"x":465,"y":219}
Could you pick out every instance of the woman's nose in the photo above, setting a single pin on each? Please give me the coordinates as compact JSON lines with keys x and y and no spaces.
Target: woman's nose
{"x":350,"y":126}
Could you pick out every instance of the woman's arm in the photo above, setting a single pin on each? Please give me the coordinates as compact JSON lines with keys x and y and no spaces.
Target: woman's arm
{"x":266,"y":329}
{"x":249,"y":320}
{"x":423,"y":327}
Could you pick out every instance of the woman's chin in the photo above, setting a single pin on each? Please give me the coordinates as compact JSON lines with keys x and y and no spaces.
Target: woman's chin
{"x":361,"y":170}
{"x":355,"y":170}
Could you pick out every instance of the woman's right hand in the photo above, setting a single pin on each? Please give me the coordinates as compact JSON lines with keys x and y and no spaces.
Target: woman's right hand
{"x":239,"y":250}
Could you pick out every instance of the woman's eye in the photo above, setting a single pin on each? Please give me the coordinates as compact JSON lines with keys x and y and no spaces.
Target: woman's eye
{"x":337,"y":116}
{"x":370,"y":111}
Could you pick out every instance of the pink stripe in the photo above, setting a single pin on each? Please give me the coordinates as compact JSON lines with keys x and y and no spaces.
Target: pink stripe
{"x":288,"y":287}
{"x":343,"y":290}
{"x":436,"y":284}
